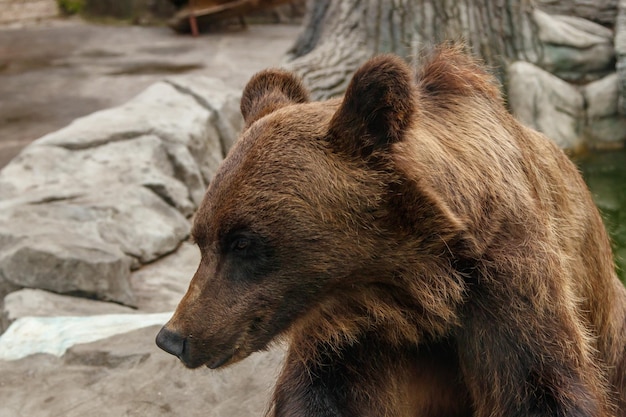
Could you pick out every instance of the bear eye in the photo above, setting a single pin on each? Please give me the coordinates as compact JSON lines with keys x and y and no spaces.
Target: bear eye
{"x":240,"y":244}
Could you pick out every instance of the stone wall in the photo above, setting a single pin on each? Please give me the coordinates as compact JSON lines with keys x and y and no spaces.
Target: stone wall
{"x":24,"y":10}
{"x":573,"y":91}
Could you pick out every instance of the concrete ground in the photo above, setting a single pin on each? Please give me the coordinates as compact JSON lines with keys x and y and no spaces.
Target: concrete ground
{"x":55,"y":71}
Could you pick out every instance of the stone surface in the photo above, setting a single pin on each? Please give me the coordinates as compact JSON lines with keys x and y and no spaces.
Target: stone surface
{"x":162,"y":111}
{"x":599,"y":11}
{"x":67,"y":263}
{"x":12,"y":11}
{"x":77,"y":68}
{"x":223,"y":102}
{"x":160,"y":285}
{"x":143,"y":168}
{"x":28,"y":336}
{"x":86,"y":241}
{"x":134,"y":219}
{"x":39,"y":303}
{"x":575,"y":49}
{"x":127,"y":375}
{"x":620,"y":52}
{"x":605,"y":128}
{"x":93,"y":192}
{"x":546,"y":103}
{"x":157,"y":287}
{"x":141,"y":161}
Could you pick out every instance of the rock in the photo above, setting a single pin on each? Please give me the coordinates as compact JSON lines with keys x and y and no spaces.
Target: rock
{"x":157,"y":287}
{"x":599,"y":11}
{"x":68,"y":263}
{"x":601,"y":97}
{"x":5,"y":288}
{"x":574,"y":49}
{"x":39,"y":303}
{"x":546,"y":103}
{"x":605,"y":128}
{"x":136,"y":220}
{"x":87,"y":243}
{"x":54,"y":335}
{"x":180,"y":130}
{"x":113,"y":189}
{"x":142,"y":160}
{"x":160,"y":285}
{"x":127,"y":375}
{"x":132,"y":218}
{"x":161,"y":110}
{"x":620,"y":52}
{"x":223,"y":101}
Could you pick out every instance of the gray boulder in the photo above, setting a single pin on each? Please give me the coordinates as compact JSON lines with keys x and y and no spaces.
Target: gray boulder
{"x":157,"y":288}
{"x":163,"y":140}
{"x":599,"y":11}
{"x":113,"y":190}
{"x":87,"y":243}
{"x":68,"y":263}
{"x":223,"y":102}
{"x":546,"y":103}
{"x":620,"y":52}
{"x":160,"y":285}
{"x":39,"y":303}
{"x":574,"y":49}
{"x":605,"y":127}
{"x":127,"y":375}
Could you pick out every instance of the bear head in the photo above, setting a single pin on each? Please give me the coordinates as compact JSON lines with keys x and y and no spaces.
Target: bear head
{"x":307,"y":206}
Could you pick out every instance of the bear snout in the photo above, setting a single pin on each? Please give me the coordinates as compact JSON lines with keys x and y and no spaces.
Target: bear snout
{"x":186,"y":349}
{"x":171,"y":342}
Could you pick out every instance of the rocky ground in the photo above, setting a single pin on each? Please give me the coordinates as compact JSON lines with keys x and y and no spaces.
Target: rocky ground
{"x":125,"y":374}
{"x":58,"y":70}
{"x":84,"y":188}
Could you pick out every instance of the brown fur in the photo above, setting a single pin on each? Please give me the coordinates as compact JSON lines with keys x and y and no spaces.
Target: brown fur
{"x":270,"y":90}
{"x":423,"y":253}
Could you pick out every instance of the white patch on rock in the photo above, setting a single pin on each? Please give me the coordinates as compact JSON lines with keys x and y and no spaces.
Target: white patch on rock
{"x":54,"y":335}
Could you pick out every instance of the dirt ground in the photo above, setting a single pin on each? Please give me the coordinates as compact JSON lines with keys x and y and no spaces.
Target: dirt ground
{"x":55,"y":71}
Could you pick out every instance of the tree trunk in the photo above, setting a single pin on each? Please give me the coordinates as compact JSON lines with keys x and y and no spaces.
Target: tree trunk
{"x":572,"y":46}
{"x":339,"y":35}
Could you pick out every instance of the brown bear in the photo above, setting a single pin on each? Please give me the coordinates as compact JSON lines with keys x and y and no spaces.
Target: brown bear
{"x":423,"y":253}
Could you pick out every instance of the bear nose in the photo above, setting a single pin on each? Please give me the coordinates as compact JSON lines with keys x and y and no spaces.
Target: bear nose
{"x":171,"y":342}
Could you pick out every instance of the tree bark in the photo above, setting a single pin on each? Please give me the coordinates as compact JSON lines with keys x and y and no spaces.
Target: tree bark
{"x":339,"y":35}
{"x":573,"y":41}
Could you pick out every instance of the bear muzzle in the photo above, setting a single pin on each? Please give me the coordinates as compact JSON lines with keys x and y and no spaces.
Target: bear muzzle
{"x":181,"y":347}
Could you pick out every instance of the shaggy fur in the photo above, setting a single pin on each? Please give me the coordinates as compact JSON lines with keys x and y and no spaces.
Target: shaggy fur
{"x":423,"y":252}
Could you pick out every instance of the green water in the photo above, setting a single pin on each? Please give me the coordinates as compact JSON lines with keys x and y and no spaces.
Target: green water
{"x":605,"y":173}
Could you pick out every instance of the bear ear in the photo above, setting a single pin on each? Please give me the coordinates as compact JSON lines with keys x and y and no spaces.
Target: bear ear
{"x":268,"y":91}
{"x":377,"y":109}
